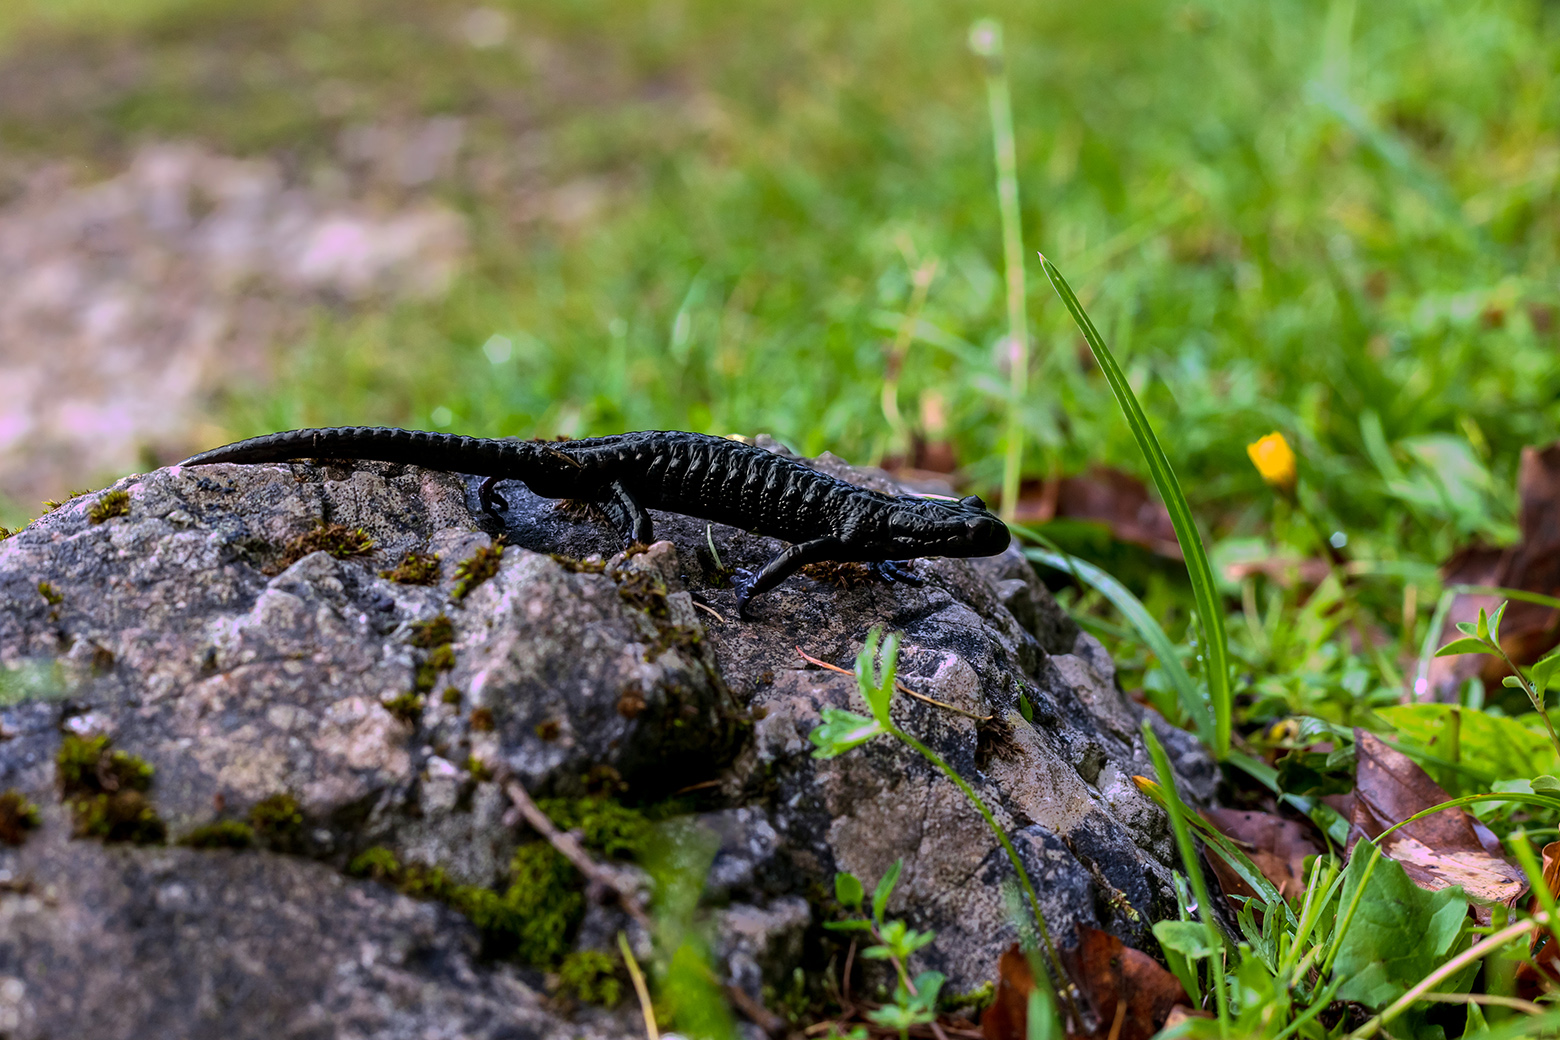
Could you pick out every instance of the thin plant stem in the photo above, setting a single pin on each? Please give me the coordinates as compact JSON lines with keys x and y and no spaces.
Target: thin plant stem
{"x":921,"y":283}
{"x":1532,"y":694}
{"x":1012,"y":854}
{"x":1183,"y":841}
{"x":986,"y":41}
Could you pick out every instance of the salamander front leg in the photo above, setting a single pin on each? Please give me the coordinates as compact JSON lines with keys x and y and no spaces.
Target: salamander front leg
{"x":630,"y":519}
{"x":782,"y":567}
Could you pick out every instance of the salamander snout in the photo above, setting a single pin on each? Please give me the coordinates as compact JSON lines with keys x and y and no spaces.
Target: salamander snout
{"x":987,"y":535}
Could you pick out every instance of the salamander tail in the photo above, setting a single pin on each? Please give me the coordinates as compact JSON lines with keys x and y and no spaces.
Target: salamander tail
{"x":446,"y":451}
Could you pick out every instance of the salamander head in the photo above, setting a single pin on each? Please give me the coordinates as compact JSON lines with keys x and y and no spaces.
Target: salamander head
{"x":946,"y":527}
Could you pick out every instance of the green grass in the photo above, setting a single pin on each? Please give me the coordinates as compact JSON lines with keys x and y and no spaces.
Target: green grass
{"x":1254,"y":261}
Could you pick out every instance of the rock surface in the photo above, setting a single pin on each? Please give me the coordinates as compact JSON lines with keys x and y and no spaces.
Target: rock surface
{"x":186,"y":633}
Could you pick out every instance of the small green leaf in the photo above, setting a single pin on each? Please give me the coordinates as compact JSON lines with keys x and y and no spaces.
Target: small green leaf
{"x":1546,"y":784}
{"x":885,"y":888}
{"x":848,"y":926}
{"x":1544,"y":670}
{"x":928,"y":985}
{"x":1468,"y":628}
{"x":1483,"y":627}
{"x":848,"y":890}
{"x":1464,"y":646}
{"x":1511,"y":682}
{"x":1188,"y":938}
{"x":841,"y":731}
{"x":877,"y":953}
{"x":1495,"y":624}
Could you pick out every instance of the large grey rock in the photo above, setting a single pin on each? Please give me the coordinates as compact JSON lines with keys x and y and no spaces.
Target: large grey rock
{"x":178,"y":632}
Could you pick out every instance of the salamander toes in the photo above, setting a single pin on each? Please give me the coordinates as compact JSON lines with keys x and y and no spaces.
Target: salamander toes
{"x":897,"y":571}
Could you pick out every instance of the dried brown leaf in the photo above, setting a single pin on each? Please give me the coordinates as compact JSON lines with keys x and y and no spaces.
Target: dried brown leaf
{"x":1275,"y":845}
{"x":1448,"y":848}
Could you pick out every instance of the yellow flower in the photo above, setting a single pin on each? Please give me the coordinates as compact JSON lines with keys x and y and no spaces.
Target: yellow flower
{"x":1275,"y":460}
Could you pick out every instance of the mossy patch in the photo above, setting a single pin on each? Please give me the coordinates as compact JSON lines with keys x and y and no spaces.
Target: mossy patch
{"x":109,"y":505}
{"x":594,"y":565}
{"x":52,"y":595}
{"x":645,"y":592}
{"x":479,"y":770}
{"x":51,"y":504}
{"x":482,"y":720}
{"x":17,"y":817}
{"x":222,"y":834}
{"x":535,"y":916}
{"x":436,"y":631}
{"x":378,"y":863}
{"x":415,"y":568}
{"x":408,"y":707}
{"x":106,"y":791}
{"x":591,"y":977}
{"x":451,"y":696}
{"x":278,"y":822}
{"x":674,"y":637}
{"x":477,"y":568}
{"x":338,"y":540}
{"x":6,"y":532}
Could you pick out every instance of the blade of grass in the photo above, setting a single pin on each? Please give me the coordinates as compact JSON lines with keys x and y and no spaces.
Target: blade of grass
{"x":1192,"y":700}
{"x":1205,"y":591}
{"x":1183,"y":841}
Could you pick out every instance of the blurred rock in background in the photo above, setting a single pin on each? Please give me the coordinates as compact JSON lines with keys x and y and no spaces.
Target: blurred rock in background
{"x":126,"y":304}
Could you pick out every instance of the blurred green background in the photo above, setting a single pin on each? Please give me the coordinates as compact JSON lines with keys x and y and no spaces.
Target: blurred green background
{"x":1336,"y":223}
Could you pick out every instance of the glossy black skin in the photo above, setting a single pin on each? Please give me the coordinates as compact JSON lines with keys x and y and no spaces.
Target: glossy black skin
{"x":712,"y":478}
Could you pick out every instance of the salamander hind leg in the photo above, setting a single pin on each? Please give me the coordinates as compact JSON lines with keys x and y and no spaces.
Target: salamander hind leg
{"x":628,"y":517}
{"x":897,"y":571}
{"x":489,"y":498}
{"x":792,"y":559}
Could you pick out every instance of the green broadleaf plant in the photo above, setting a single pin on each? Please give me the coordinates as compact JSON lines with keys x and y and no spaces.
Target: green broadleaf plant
{"x":1483,"y":637}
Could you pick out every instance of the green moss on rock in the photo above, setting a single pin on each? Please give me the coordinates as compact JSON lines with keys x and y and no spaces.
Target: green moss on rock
{"x":222,"y":834}
{"x":109,"y":505}
{"x":477,"y":568}
{"x":278,"y":822}
{"x":17,"y":817}
{"x":415,"y":568}
{"x":591,"y":977}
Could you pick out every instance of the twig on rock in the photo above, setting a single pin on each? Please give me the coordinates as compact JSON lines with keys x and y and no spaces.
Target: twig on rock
{"x":717,"y":615}
{"x":622,"y":883}
{"x":901,"y":687}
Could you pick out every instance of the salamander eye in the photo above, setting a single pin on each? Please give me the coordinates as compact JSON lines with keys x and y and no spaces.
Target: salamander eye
{"x":972,"y":502}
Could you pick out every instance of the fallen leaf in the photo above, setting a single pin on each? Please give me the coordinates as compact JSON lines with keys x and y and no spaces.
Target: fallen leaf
{"x":1533,"y":565}
{"x":1448,"y":848}
{"x":1008,"y":1016}
{"x":1130,"y":993}
{"x":1540,"y":973}
{"x":1275,"y":845}
{"x":1116,"y":499}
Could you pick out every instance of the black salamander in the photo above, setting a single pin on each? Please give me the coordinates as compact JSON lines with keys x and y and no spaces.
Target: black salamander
{"x":711,"y":478}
